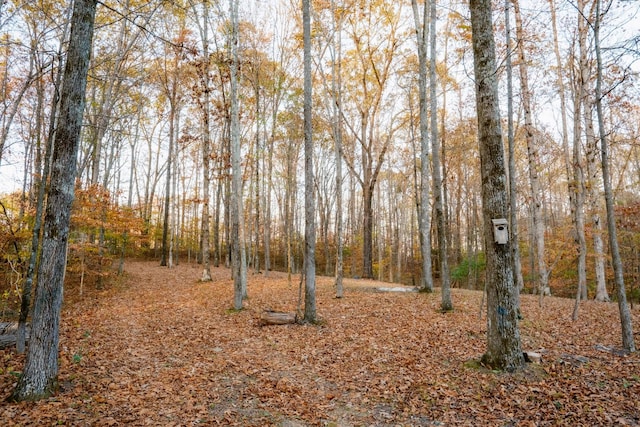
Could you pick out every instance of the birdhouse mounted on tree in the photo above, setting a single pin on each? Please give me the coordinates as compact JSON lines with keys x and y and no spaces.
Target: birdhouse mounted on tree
{"x":500,"y":231}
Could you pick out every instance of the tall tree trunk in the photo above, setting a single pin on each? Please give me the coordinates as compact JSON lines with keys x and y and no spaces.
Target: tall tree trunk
{"x":533,"y":159}
{"x":573,"y":172}
{"x":256,"y":254}
{"x":309,"y":199}
{"x":206,"y":146}
{"x":513,"y":192}
{"x":424,"y":220}
{"x":625,"y":314}
{"x":238,"y":254}
{"x":173,"y":231}
{"x":336,"y":91}
{"x":445,"y":283}
{"x":25,"y":301}
{"x":503,"y":334}
{"x":578,"y":187}
{"x":594,"y":203}
{"x":39,"y":378}
{"x":167,"y":196}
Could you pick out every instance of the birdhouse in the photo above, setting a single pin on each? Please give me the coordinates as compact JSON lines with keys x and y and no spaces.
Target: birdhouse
{"x":500,"y":231}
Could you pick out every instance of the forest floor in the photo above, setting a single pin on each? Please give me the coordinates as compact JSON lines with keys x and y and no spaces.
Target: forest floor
{"x":161,"y":348}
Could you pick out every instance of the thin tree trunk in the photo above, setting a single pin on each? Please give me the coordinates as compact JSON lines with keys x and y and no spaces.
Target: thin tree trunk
{"x":513,"y":212}
{"x":39,"y":377}
{"x":238,"y":254}
{"x":534,"y":161}
{"x":25,"y":302}
{"x":336,"y":91}
{"x":445,"y":283}
{"x":594,"y":204}
{"x":167,"y":196}
{"x":572,"y":172}
{"x":578,"y":189}
{"x":206,"y":146}
{"x":309,"y":199}
{"x":424,"y":221}
{"x":625,"y":314}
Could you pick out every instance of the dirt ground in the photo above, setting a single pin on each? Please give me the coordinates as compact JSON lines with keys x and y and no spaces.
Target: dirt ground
{"x":162,"y":348}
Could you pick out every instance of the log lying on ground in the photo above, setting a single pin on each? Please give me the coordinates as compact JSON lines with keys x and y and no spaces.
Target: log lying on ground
{"x":8,"y":333}
{"x":269,"y":317}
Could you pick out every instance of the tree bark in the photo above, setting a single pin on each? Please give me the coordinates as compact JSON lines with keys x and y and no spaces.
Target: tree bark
{"x":269,"y":317}
{"x":445,"y":283}
{"x":25,"y":302}
{"x":577,"y":185}
{"x":206,"y":146}
{"x":424,"y":220}
{"x":503,"y":334}
{"x":309,"y":199}
{"x":594,"y":202}
{"x":238,"y":254}
{"x":513,"y":212}
{"x":167,"y":196}
{"x":533,"y":159}
{"x":625,"y":315}
{"x":336,"y":86}
{"x":39,"y":378}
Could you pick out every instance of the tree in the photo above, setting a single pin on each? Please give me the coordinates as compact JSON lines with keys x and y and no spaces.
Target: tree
{"x":503,"y":334}
{"x":203,"y":72}
{"x":238,"y":256}
{"x":336,"y":93}
{"x":593,"y":195}
{"x":370,"y":67}
{"x":169,"y":75}
{"x":576,"y":186}
{"x":625,"y":315}
{"x":446,"y":304}
{"x":43,"y":172}
{"x":309,"y":190}
{"x":424,"y":218}
{"x":39,"y":378}
{"x":533,"y":158}
{"x":513,"y":215}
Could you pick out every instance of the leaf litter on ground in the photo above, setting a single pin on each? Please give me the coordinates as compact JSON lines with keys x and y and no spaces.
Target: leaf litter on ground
{"x":163,"y":348}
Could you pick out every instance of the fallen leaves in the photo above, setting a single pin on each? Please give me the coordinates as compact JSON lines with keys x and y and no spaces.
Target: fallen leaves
{"x":166,"y":350}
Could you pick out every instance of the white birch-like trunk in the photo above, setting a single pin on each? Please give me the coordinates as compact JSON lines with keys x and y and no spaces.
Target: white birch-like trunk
{"x":533,"y":159}
{"x":625,"y":315}
{"x":206,"y":147}
{"x":309,"y":199}
{"x":578,"y":189}
{"x":336,"y":91}
{"x":594,"y":203}
{"x":513,"y":216}
{"x":445,"y":284}
{"x":238,"y":254}
{"x":424,"y":220}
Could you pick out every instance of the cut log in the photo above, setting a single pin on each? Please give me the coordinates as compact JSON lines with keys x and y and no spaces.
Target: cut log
{"x":532,"y":357}
{"x":8,"y":334}
{"x":269,"y":317}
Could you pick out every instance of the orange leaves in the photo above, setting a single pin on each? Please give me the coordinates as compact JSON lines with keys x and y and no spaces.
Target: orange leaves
{"x":165,"y":350}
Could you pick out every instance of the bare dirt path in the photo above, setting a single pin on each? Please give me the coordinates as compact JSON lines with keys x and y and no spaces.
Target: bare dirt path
{"x":164,"y":349}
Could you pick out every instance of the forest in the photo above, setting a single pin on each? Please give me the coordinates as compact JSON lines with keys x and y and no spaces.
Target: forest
{"x":352,"y":139}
